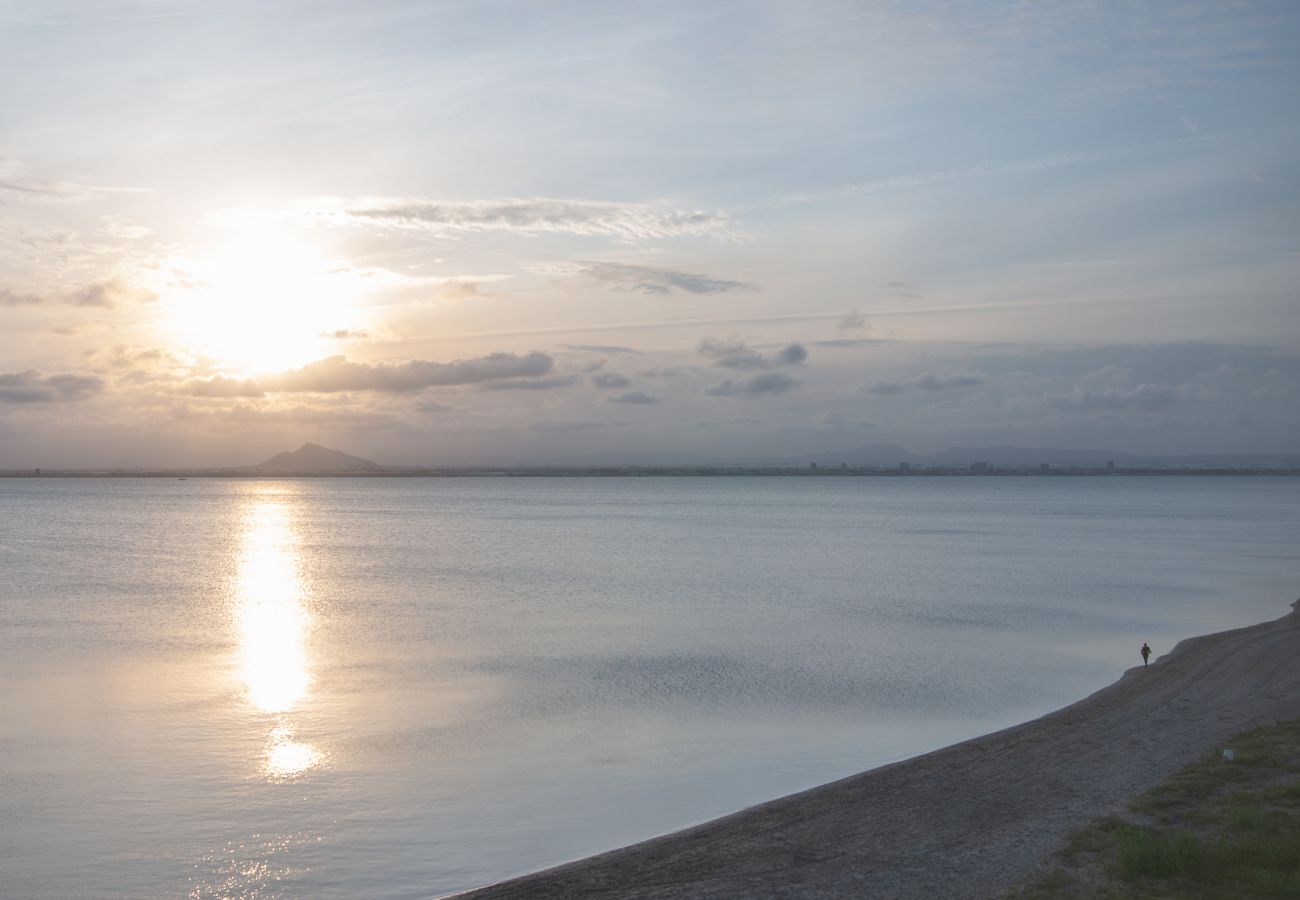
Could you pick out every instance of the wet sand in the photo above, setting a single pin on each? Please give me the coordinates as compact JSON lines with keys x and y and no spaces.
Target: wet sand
{"x":969,"y":820}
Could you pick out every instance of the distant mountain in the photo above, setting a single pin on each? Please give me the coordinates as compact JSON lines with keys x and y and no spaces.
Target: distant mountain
{"x":315,"y":458}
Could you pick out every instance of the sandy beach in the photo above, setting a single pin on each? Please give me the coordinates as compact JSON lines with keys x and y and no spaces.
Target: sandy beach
{"x":969,"y":820}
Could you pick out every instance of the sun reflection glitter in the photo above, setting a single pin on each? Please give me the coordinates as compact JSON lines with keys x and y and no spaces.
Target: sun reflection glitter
{"x":272,"y":621}
{"x":286,"y":757}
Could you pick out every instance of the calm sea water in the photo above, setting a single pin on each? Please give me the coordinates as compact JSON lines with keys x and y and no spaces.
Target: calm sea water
{"x":403,"y":687}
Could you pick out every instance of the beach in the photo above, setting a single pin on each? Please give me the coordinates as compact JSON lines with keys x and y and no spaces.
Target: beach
{"x":972,"y":819}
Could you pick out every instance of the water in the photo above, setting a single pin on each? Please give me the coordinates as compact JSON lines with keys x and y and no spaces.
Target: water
{"x":404,"y":687}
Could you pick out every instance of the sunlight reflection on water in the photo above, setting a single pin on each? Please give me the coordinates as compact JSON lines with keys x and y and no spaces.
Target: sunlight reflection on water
{"x":272,"y":627}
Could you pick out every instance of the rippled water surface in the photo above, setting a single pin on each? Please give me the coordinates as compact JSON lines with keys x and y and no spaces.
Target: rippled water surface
{"x":404,"y":687}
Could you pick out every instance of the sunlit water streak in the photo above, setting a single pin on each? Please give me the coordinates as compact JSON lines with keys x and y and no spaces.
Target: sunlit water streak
{"x":272,"y":630}
{"x":393,"y":688}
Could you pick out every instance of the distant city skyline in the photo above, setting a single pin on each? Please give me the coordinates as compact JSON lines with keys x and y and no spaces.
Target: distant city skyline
{"x":510,"y":233}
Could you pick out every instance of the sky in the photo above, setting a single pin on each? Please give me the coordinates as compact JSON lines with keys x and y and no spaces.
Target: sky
{"x":459,"y":233}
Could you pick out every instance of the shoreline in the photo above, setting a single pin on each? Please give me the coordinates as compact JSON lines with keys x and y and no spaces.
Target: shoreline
{"x":971,"y":819}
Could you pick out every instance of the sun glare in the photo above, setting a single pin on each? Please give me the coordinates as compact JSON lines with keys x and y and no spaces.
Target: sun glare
{"x":261,"y":303}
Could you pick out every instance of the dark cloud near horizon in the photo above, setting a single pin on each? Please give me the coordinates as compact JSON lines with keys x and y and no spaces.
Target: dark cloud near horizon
{"x":565,"y":425}
{"x":847,"y":342}
{"x":767,"y":383}
{"x":636,"y":398}
{"x":610,"y":380}
{"x":531,"y":384}
{"x":653,"y":280}
{"x":928,"y":381}
{"x":736,"y":354}
{"x":336,"y":374}
{"x":33,"y":387}
{"x":1146,"y":397}
{"x":600,"y":348}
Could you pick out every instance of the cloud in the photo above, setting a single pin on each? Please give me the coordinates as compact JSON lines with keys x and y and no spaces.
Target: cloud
{"x":847,"y":342}
{"x":347,"y":334}
{"x":531,"y":384}
{"x":33,"y":387}
{"x":600,"y":348}
{"x":928,"y":381}
{"x":221,"y":386}
{"x":610,"y":380}
{"x":852,"y":320}
{"x":791,"y":355}
{"x":337,"y":373}
{"x":731,"y":354}
{"x":540,"y":215}
{"x":633,"y":397}
{"x":562,"y":425}
{"x":9,"y":298}
{"x":931,"y":382}
{"x":735,"y":354}
{"x":243,"y":418}
{"x":93,"y":295}
{"x":767,"y":383}
{"x":1146,"y":397}
{"x":649,"y":279}
{"x":668,"y":371}
{"x":102,"y":295}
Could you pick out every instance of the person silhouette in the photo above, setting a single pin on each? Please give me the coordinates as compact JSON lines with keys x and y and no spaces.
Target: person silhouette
{"x":1146,"y":654}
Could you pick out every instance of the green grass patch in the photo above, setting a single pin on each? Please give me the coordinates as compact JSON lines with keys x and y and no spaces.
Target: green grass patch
{"x":1214,"y":830}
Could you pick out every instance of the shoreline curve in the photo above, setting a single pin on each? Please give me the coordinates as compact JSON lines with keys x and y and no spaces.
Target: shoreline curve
{"x":971,"y":819}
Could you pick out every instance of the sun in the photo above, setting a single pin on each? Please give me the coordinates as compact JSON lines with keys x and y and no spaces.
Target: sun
{"x":261,"y":302}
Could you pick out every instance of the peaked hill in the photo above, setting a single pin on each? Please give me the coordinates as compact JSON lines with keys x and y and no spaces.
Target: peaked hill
{"x":315,"y":458}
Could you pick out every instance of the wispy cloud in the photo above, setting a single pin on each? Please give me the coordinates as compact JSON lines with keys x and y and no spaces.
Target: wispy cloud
{"x":531,"y":384}
{"x":628,"y":222}
{"x":1146,"y":397}
{"x":337,"y":373}
{"x":1017,"y":166}
{"x":221,"y":386}
{"x":17,"y":183}
{"x":928,"y":381}
{"x":647,"y":279}
{"x":767,"y":383}
{"x":564,"y":425}
{"x":102,"y":294}
{"x":600,"y":348}
{"x":33,"y":387}
{"x":636,"y":398}
{"x":11,"y":298}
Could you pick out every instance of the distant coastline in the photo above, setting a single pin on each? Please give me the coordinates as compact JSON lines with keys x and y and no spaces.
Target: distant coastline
{"x":314,"y":461}
{"x":974,"y":471}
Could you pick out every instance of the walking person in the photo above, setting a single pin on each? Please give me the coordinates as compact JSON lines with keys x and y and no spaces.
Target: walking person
{"x":1146,"y":654}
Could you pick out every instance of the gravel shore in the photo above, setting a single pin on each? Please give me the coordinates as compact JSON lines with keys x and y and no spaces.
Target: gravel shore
{"x":969,"y":820}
